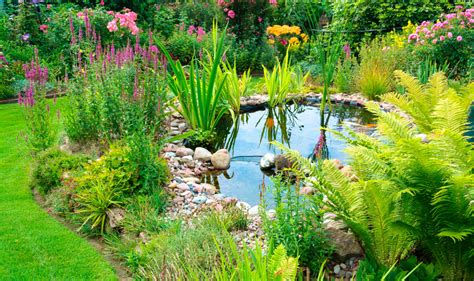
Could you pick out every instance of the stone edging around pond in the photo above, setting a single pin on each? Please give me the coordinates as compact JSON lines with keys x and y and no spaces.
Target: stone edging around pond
{"x":190,"y":196}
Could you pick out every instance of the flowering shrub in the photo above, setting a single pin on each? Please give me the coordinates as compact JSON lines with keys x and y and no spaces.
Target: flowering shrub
{"x":284,"y":36}
{"x":126,"y":20}
{"x":448,"y":40}
{"x":41,"y":133}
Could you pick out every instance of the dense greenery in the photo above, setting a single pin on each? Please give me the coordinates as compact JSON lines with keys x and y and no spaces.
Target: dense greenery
{"x":143,"y":79}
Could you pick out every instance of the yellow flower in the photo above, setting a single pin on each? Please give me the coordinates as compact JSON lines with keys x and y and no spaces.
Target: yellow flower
{"x":294,"y":40}
{"x":304,"y":37}
{"x":271,"y":41}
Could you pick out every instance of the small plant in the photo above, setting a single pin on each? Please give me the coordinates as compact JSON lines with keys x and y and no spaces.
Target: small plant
{"x":50,"y":166}
{"x":328,"y":53}
{"x":278,"y":81}
{"x":297,"y":225}
{"x":235,"y":86}
{"x":41,"y":131}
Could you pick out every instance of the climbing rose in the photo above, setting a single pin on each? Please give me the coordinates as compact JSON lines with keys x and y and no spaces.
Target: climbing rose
{"x":112,"y":25}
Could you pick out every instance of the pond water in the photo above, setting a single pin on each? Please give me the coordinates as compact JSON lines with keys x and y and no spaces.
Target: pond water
{"x":297,"y":126}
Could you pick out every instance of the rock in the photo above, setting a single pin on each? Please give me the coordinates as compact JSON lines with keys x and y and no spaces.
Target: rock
{"x":221,"y":159}
{"x":198,"y":189}
{"x":337,"y":163}
{"x":191,"y":180}
{"x":184,"y":151}
{"x":337,"y":269}
{"x":115,"y":216}
{"x":345,"y":244}
{"x":182,"y":187}
{"x":348,"y":274}
{"x":170,"y":154}
{"x":186,"y":159}
{"x":202,"y":154}
{"x":349,"y":172}
{"x":343,"y":266}
{"x":271,"y":214}
{"x":307,"y":190}
{"x":209,"y":188}
{"x":253,"y":211}
{"x":267,"y":161}
{"x":282,"y":162}
{"x":178,"y":199}
{"x":182,"y":126}
{"x":243,"y":206}
{"x":219,"y":196}
{"x":200,"y":199}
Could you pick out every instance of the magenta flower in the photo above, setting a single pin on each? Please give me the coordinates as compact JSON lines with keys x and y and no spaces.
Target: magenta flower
{"x":43,"y":28}
{"x":200,"y":33}
{"x":231,"y":14}
{"x":441,"y":38}
{"x":260,"y":19}
{"x":191,"y":29}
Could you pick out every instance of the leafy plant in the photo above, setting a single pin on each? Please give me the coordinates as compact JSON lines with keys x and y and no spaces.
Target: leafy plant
{"x":94,"y":202}
{"x":278,"y":81}
{"x":414,"y":185}
{"x":50,"y":166}
{"x":297,"y":225}
{"x":328,"y":53}
{"x":199,"y":94}
{"x":235,"y":86}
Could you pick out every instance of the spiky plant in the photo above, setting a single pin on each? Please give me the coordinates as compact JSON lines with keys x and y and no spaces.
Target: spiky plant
{"x":415,"y":182}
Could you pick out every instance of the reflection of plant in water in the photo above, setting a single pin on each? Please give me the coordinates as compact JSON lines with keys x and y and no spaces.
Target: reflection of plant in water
{"x":321,"y":150}
{"x":277,"y":122}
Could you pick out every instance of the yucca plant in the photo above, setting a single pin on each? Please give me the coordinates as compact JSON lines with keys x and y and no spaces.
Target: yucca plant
{"x":278,"y":81}
{"x":414,"y":184}
{"x":199,"y":91}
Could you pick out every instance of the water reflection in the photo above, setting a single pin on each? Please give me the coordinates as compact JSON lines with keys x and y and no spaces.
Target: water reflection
{"x":297,"y":126}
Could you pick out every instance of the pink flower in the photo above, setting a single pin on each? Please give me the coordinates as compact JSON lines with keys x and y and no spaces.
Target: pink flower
{"x":273,"y":2}
{"x":81,"y":15}
{"x":450,"y":16}
{"x":200,"y":33}
{"x":112,"y":25}
{"x":283,"y":42}
{"x":48,"y":6}
{"x":231,"y":14}
{"x":434,"y":41}
{"x":459,"y":38}
{"x":450,"y":35}
{"x":134,"y":30}
{"x":102,"y":2}
{"x":110,"y":13}
{"x":441,"y":38}
{"x":44,"y":28}
{"x":191,"y":29}
{"x":260,"y":19}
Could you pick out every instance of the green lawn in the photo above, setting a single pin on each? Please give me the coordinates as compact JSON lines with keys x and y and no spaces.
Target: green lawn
{"x":34,"y":245}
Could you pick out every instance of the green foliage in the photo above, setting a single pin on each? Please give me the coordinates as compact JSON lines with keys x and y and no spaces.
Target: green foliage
{"x":50,"y":166}
{"x":278,"y":81}
{"x":411,"y":188}
{"x":199,"y":94}
{"x":235,"y":87}
{"x":143,"y":214}
{"x":297,"y":225}
{"x":408,"y":269}
{"x":426,"y":68}
{"x":182,"y":46}
{"x":94,"y":202}
{"x":109,"y":108}
{"x":375,"y":73}
{"x":328,"y":52}
{"x":344,"y":79}
{"x":361,"y":15}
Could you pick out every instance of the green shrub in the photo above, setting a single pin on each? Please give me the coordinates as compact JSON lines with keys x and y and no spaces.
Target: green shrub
{"x":297,"y":225}
{"x":182,"y":46}
{"x":386,"y":15}
{"x":50,"y":166}
{"x":345,"y":72}
{"x":143,"y":214}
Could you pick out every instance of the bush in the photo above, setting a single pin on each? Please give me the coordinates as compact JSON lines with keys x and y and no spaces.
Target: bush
{"x":51,"y":165}
{"x":448,"y":41}
{"x":386,"y":15}
{"x":298,"y":225}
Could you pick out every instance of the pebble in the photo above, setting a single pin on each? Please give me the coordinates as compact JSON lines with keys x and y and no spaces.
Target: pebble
{"x":337,"y":269}
{"x":170,"y":154}
{"x":200,"y":199}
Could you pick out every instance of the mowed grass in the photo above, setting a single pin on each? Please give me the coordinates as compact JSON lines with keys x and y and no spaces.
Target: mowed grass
{"x":33,"y":245}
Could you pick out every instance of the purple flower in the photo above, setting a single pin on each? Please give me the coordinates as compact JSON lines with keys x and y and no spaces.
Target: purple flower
{"x":25,"y":37}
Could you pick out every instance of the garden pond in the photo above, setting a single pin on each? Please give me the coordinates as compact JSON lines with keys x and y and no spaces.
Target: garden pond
{"x":295,"y":125}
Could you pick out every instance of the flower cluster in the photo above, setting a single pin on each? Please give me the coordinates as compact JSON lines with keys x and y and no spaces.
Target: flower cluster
{"x":127,"y":20}
{"x":286,"y":35}
{"x":200,"y":32}
{"x":444,"y":29}
{"x":36,"y":76}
